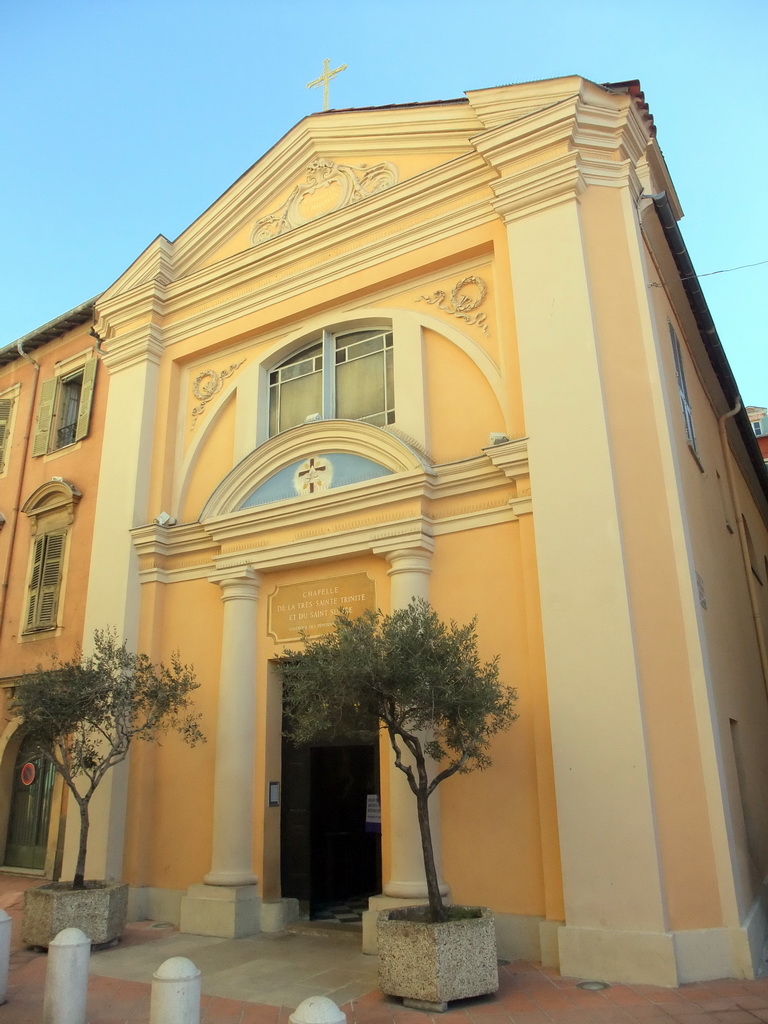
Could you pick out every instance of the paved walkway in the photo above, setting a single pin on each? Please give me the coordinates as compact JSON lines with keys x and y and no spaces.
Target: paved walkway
{"x":260,"y":980}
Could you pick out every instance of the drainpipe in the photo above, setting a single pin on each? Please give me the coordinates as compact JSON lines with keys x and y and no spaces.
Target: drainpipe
{"x":12,"y":526}
{"x":753,"y":597}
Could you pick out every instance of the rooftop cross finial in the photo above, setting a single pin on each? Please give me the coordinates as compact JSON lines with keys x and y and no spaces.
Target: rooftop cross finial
{"x":325,"y":78}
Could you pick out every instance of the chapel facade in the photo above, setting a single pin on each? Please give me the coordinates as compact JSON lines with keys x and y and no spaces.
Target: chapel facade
{"x":395,"y":359}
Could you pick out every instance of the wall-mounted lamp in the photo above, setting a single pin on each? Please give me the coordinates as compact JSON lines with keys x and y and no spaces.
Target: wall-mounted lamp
{"x":165,"y":520}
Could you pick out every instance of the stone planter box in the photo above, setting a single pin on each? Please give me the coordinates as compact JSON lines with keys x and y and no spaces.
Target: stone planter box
{"x":100,"y":911}
{"x":429,"y":965}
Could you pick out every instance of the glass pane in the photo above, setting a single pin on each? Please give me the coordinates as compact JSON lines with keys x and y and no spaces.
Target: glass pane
{"x":298,"y":399}
{"x":300,"y":369}
{"x":360,"y":388}
{"x":365,"y":347}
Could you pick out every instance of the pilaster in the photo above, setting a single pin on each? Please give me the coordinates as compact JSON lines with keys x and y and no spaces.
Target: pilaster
{"x":612,"y":878}
{"x":114,"y":591}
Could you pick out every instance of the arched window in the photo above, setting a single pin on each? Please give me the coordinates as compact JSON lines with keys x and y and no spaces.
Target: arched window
{"x":348,"y":375}
{"x":51,"y":509}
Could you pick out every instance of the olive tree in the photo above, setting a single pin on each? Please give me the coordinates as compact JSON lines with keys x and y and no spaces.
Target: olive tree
{"x":422,"y":680}
{"x":83,"y":714}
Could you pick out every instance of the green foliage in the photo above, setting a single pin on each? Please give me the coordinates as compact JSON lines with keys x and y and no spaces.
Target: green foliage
{"x":411,"y":672}
{"x":422,"y":680}
{"x":83,"y":714}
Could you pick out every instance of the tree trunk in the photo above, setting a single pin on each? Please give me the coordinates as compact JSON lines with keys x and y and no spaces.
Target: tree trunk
{"x":79,"y":880}
{"x":437,"y":910}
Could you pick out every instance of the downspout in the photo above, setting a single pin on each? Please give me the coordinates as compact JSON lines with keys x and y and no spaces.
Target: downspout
{"x":753,"y":598}
{"x":13,"y":525}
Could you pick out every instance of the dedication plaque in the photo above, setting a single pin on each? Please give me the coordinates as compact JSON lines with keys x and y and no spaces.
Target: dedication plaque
{"x":312,"y":606}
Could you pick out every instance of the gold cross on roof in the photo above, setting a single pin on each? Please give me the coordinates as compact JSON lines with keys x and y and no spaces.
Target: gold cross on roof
{"x":325,"y":78}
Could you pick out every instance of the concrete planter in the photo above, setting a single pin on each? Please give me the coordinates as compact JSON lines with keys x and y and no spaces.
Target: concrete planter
{"x":430,"y":965}
{"x":100,"y":911}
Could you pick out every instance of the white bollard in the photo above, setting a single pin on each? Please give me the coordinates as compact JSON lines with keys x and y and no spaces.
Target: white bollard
{"x":66,"y":978}
{"x":5,"y":953}
{"x":317,"y":1010}
{"x":175,"y":993}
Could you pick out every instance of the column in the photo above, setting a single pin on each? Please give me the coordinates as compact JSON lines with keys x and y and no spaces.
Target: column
{"x":410,"y":571}
{"x":410,"y":568}
{"x":227,"y":904}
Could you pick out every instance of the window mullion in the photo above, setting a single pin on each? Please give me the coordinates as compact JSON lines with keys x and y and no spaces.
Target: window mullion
{"x":329,"y":376}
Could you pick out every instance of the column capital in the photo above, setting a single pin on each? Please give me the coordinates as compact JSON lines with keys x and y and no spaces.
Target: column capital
{"x":415,"y":559}
{"x":240,"y":582}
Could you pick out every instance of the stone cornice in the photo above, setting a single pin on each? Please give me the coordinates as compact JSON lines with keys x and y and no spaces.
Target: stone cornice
{"x":156,"y":263}
{"x":537,"y":188}
{"x":511,"y":457}
{"x":551,"y":155}
{"x":354,"y":499}
{"x":379,"y":516}
{"x":121,"y":311}
{"x":144,"y":344}
{"x":329,"y":547}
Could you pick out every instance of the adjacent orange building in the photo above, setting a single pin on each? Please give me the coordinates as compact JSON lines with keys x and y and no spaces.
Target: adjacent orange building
{"x":345,"y":385}
{"x":52,"y":401}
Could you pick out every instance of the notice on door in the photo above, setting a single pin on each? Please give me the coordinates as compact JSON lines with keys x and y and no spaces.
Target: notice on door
{"x":311,"y":607}
{"x":372,"y":813}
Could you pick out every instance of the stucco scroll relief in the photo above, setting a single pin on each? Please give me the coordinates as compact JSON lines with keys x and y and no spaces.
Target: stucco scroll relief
{"x":462,"y":304}
{"x":207,"y":385}
{"x":327,"y":187}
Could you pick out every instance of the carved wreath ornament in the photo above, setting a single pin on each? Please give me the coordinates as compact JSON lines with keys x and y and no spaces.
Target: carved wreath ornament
{"x":328,"y":187}
{"x":462,"y":304}
{"x":207,"y":385}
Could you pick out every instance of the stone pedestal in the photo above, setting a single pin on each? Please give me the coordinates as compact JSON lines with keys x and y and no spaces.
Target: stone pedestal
{"x":100,"y":911}
{"x":430,"y":965}
{"x":228,"y":911}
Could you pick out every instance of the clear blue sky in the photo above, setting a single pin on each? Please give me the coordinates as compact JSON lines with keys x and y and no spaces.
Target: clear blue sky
{"x":125,"y":119}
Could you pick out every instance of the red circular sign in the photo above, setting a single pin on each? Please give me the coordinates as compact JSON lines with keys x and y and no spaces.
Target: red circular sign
{"x":28,"y":774}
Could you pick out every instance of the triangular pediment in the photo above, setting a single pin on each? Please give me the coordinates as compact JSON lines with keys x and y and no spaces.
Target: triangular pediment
{"x":328,"y":162}
{"x":325,"y":164}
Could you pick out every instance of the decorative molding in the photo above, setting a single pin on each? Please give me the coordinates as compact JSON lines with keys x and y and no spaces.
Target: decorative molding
{"x":54,"y":502}
{"x":207,"y":385}
{"x":142,"y":345}
{"x":328,"y":187}
{"x":354,"y":437}
{"x":463,"y":304}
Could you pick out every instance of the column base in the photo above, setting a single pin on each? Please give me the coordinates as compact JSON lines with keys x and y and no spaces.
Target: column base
{"x":229,"y":912}
{"x":377,"y":903}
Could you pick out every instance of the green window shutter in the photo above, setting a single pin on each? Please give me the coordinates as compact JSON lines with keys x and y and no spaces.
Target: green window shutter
{"x":46,"y":581}
{"x":86,"y":398}
{"x":44,"y":416}
{"x":50,"y":580}
{"x":6,"y":407}
{"x":34,"y":582}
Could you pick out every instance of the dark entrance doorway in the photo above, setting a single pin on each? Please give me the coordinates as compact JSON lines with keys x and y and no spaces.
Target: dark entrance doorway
{"x":330,"y":857}
{"x":27,"y":841}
